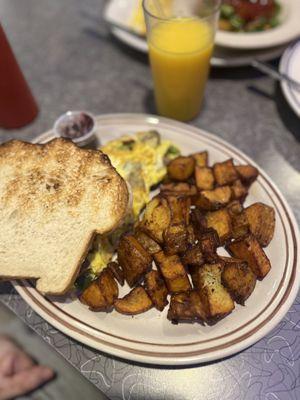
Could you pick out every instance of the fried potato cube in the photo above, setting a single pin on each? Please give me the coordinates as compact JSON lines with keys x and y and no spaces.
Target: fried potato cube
{"x":133,"y":259}
{"x":198,"y":221}
{"x":178,"y":189}
{"x":220,"y":221}
{"x":93,"y":297}
{"x":156,"y":288}
{"x":180,"y":209}
{"x":234,"y":208}
{"x":191,"y":237}
{"x":247,"y":173}
{"x":238,"y":279}
{"x":248,"y":249}
{"x":173,"y":272}
{"x":108,"y":286}
{"x":175,"y":239}
{"x":261,"y":220}
{"x":117,"y":272}
{"x":209,"y":242}
{"x":101,"y":294}
{"x":186,"y":306}
{"x":240,"y":225}
{"x":239,"y":222}
{"x":201,"y":158}
{"x":193,"y":256}
{"x":204,"y":178}
{"x":150,"y":245}
{"x":239,"y":191}
{"x":211,"y":200}
{"x":225,"y":172}
{"x":214,"y":296}
{"x":135,"y":302}
{"x":156,"y":218}
{"x":181,"y":168}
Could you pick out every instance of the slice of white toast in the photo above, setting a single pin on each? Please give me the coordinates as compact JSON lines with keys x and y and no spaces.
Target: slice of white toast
{"x":53,"y":199}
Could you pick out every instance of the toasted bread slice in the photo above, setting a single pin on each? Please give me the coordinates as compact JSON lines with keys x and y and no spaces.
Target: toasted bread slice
{"x":53,"y":199}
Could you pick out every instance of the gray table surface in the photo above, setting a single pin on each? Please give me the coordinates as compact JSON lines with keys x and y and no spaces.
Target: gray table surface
{"x":72,"y":62}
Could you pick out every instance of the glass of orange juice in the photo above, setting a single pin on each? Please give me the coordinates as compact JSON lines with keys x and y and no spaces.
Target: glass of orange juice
{"x":180,"y":35}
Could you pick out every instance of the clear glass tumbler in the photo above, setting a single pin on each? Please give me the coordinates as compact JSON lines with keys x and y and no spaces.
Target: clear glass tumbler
{"x":180,"y":35}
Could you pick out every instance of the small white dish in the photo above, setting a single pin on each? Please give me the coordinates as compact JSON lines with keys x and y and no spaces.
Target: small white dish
{"x":79,"y":126}
{"x":290,"y":65}
{"x":288,"y":30}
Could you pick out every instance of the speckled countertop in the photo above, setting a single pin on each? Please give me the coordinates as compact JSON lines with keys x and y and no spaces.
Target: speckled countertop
{"x":72,"y":62}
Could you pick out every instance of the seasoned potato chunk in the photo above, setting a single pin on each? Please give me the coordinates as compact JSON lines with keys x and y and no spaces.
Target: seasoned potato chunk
{"x":101,"y":294}
{"x":238,"y":279}
{"x":181,"y":168}
{"x":261,"y":220}
{"x":225,"y":173}
{"x":176,"y":235}
{"x":133,"y":259}
{"x":186,"y":306}
{"x":240,"y":225}
{"x":211,"y":200}
{"x":173,"y":272}
{"x":178,"y":189}
{"x":220,"y":221}
{"x":198,"y":221}
{"x":135,"y":302}
{"x":209,"y":242}
{"x":239,"y":222}
{"x":108,"y":286}
{"x":248,"y":249}
{"x":234,"y":208}
{"x":201,"y":158}
{"x":176,"y":239}
{"x":204,"y":178}
{"x":156,"y":289}
{"x":191,"y":236}
{"x":117,"y":272}
{"x":239,"y":191}
{"x":247,"y":173}
{"x":156,"y":218}
{"x":94,"y":298}
{"x":180,"y":209}
{"x":193,"y":256}
{"x":150,"y":245}
{"x":214,"y":296}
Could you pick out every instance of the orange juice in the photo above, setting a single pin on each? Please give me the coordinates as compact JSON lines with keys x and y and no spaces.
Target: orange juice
{"x":180,"y":50}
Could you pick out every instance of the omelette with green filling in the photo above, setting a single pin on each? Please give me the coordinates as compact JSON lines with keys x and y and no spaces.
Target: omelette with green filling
{"x":141,"y":160}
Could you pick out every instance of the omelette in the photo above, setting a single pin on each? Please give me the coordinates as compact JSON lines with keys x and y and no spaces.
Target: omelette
{"x":141,"y":160}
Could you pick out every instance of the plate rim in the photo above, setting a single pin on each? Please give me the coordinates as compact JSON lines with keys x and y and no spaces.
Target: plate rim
{"x":194,"y":359}
{"x":283,"y":68}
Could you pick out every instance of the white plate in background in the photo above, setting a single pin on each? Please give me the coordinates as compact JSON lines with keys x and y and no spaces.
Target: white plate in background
{"x":290,"y":65}
{"x":120,"y":12}
{"x":150,"y":337}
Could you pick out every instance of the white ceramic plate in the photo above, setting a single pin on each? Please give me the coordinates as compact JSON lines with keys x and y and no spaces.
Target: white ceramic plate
{"x":290,"y":65}
{"x":120,"y":11}
{"x":150,"y":337}
{"x":289,"y":29}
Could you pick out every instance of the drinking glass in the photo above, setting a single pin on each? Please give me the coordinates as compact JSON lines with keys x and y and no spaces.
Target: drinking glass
{"x":180,"y":35}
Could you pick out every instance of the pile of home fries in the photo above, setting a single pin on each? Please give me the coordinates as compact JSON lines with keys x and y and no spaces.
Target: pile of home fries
{"x":170,"y":257}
